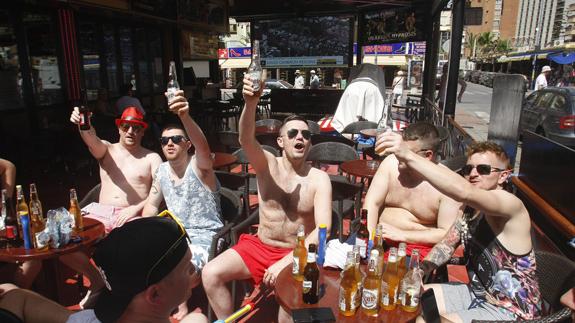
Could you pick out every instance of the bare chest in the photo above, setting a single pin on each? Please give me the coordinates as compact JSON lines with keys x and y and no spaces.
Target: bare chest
{"x":421,"y":200}
{"x":291,"y":194}
{"x":123,"y":167}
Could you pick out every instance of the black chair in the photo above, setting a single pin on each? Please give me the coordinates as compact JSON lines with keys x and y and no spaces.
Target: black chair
{"x":346,"y":198}
{"x":9,"y":317}
{"x":230,"y":140}
{"x":270,"y":123}
{"x":268,"y":139}
{"x":556,"y":275}
{"x":334,"y":153}
{"x":313,"y":127}
{"x":320,"y":138}
{"x":231,"y":207}
{"x":236,"y":182}
{"x":355,"y":128}
{"x":92,"y":196}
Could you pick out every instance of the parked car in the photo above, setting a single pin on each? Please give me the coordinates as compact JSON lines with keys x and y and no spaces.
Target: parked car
{"x":550,"y":112}
{"x":276,"y":84}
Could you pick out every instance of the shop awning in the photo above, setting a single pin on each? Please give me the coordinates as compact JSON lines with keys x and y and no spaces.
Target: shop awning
{"x":516,"y":58}
{"x":562,"y":57}
{"x":235,"y":63}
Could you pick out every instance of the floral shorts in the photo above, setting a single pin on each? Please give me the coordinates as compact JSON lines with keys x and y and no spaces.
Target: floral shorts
{"x":459,"y":299}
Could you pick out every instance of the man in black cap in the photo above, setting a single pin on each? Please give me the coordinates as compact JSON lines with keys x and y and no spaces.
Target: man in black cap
{"x":146,"y":266}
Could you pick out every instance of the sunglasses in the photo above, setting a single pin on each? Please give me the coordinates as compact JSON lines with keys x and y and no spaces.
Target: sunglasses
{"x":175,"y":139}
{"x":482,"y":169}
{"x":173,"y":247}
{"x":292,"y":133}
{"x":126,"y":126}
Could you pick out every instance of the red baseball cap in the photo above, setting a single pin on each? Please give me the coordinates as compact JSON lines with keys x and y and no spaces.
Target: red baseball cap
{"x":132,"y":115}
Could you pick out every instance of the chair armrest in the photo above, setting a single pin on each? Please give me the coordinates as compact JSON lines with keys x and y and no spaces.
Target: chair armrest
{"x":216,"y":237}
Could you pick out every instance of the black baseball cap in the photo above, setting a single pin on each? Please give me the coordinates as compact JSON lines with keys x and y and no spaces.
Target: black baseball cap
{"x":133,"y":257}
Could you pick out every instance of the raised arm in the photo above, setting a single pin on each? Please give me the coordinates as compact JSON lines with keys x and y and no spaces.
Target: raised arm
{"x":492,"y":202}
{"x":180,"y":106}
{"x":7,"y":176}
{"x":376,"y":194}
{"x":97,"y":146}
{"x":256,"y":155}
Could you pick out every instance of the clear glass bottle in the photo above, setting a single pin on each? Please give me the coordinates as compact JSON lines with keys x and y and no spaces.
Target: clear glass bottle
{"x":255,"y":68}
{"x":173,"y":85}
{"x":410,"y":286}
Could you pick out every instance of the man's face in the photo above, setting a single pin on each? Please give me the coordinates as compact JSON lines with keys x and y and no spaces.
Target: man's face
{"x":419,"y":148}
{"x":175,"y":144}
{"x":497,"y":175}
{"x":294,"y":139}
{"x":130,"y":133}
{"x":180,"y":282}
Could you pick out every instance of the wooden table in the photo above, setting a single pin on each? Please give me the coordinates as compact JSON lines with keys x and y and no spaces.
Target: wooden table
{"x":288,"y":293}
{"x":92,"y":233}
{"x":369,"y":132}
{"x":361,"y":167}
{"x":223,"y":160}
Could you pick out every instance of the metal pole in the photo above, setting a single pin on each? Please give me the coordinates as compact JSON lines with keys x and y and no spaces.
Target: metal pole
{"x":458,"y":13}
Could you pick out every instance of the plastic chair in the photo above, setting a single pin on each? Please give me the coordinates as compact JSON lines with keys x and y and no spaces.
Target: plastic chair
{"x":270,"y":123}
{"x":346,"y":198}
{"x":334,"y":153}
{"x":231,"y":207}
{"x":321,"y":138}
{"x":354,"y":128}
{"x":236,"y":182}
{"x":313,"y":127}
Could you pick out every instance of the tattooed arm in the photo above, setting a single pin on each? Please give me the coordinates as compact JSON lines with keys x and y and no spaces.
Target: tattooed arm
{"x":442,"y":251}
{"x":154,"y":198}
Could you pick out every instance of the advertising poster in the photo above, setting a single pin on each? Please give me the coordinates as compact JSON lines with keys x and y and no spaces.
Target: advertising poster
{"x":415,"y":74}
{"x":393,"y":25}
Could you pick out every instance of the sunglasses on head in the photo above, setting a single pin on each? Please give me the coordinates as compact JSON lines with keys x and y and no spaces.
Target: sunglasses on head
{"x":175,"y":139}
{"x":292,"y":133}
{"x":173,"y":247}
{"x":482,"y":169}
{"x":126,"y":126}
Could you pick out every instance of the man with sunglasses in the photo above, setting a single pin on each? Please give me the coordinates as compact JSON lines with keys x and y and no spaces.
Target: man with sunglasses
{"x":126,"y":170}
{"x":290,"y":193}
{"x":188,"y":184}
{"x":410,"y":209}
{"x":147,"y":269}
{"x":494,"y":231}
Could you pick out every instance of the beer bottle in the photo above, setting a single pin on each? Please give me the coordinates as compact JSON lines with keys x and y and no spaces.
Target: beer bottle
{"x":389,"y":282}
{"x":173,"y":85}
{"x":75,"y":211}
{"x":348,"y":287}
{"x":36,"y":219}
{"x":3,"y":214}
{"x":362,"y":238}
{"x":310,"y":282}
{"x":255,"y":69}
{"x":10,"y":221}
{"x":84,"y":113}
{"x":378,"y":245}
{"x":358,"y":274}
{"x":411,"y":285}
{"x":371,"y":285}
{"x":24,"y":217}
{"x":299,"y":255}
{"x":401,"y":260}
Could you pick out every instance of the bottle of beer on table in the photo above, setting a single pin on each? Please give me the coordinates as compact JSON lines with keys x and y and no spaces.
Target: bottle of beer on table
{"x":362,"y":238}
{"x":371,"y":285}
{"x":310,"y":282}
{"x":36,"y":219}
{"x":358,"y":274}
{"x":24,"y":217}
{"x":255,"y":69}
{"x":3,"y":214}
{"x":75,"y":211}
{"x":173,"y":84}
{"x":299,"y":255}
{"x":411,"y":285}
{"x":401,"y":260}
{"x":10,"y":222}
{"x":390,"y":282}
{"x":348,"y":288}
{"x":378,"y":245}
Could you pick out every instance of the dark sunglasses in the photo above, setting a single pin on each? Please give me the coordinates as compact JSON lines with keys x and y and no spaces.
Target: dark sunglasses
{"x":126,"y":126}
{"x":292,"y":133}
{"x":173,"y":247}
{"x":175,"y":139}
{"x":482,"y":169}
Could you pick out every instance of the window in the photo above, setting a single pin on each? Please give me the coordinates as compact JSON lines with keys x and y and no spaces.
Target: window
{"x":126,"y":50}
{"x":89,"y":48}
{"x":473,"y":16}
{"x":144,"y":77}
{"x":111,"y":58}
{"x":544,"y":100}
{"x":558,"y":103}
{"x":40,"y":35}
{"x":10,"y":74}
{"x":155,"y":42}
{"x":530,"y":100}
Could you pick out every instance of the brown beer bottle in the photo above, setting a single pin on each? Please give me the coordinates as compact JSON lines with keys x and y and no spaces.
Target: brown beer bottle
{"x":348,"y":288}
{"x":310,"y":282}
{"x":299,"y":255}
{"x":362,"y":238}
{"x":378,"y":245}
{"x":84,"y":113}
{"x":371,"y":285}
{"x":75,"y":211}
{"x":10,"y":222}
{"x":36,"y":219}
{"x":389,"y":282}
{"x":411,"y":285}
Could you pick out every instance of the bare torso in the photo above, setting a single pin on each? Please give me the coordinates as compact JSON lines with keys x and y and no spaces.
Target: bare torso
{"x":286,"y":200}
{"x":126,"y":176}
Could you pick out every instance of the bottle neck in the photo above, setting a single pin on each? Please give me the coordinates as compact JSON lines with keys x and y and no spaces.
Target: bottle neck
{"x":33,"y":196}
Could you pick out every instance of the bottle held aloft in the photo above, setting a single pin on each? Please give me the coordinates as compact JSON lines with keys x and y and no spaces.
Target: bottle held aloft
{"x":84,"y":113}
{"x":255,"y":68}
{"x":173,"y":85}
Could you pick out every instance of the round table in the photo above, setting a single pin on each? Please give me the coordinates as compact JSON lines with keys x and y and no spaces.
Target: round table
{"x":369,"y":132}
{"x":223,"y":160}
{"x":288,"y":293}
{"x":92,"y":233}
{"x":361,"y":167}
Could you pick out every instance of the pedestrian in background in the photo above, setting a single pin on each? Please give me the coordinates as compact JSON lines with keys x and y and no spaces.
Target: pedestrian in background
{"x":397,"y":87}
{"x":541,"y":80}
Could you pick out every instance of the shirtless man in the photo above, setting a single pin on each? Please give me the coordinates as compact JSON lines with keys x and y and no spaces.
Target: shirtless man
{"x":126,"y":170}
{"x":290,"y":193}
{"x":495,"y":231}
{"x":410,"y":209}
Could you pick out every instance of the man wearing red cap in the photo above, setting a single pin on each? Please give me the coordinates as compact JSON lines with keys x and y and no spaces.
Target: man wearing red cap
{"x":126,"y":170}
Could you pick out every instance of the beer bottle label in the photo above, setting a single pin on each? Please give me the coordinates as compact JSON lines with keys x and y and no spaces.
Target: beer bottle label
{"x":343,"y":305}
{"x":11,"y":232}
{"x":306,"y":286}
{"x":369,"y":298}
{"x":295,"y":267}
{"x":82,"y":119}
{"x":362,"y":247}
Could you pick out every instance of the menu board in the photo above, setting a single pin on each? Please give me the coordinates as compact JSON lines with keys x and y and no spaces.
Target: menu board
{"x":199,"y":45}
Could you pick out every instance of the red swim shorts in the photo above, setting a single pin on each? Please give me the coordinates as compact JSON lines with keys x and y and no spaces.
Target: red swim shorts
{"x":257,"y":256}
{"x":424,"y":249}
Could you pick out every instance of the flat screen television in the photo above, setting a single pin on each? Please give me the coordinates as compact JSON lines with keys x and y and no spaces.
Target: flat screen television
{"x":320,"y":41}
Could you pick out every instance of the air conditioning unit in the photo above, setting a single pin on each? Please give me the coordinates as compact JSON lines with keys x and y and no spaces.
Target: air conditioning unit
{"x":556,"y":42}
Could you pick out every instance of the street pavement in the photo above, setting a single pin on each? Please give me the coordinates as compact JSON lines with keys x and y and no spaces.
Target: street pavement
{"x":473,"y":111}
